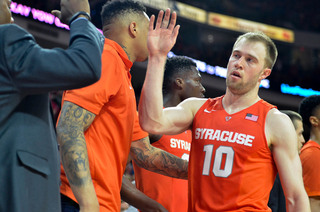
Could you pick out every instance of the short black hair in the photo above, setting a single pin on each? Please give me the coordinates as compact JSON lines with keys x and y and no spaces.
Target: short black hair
{"x":176,"y":65}
{"x":117,"y":8}
{"x":308,"y":107}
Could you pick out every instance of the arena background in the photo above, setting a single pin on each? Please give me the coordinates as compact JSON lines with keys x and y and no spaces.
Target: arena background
{"x":208,"y":31}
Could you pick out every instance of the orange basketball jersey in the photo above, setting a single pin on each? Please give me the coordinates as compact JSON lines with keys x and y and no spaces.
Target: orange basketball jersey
{"x":310,"y":160}
{"x":231,"y":167}
{"x":170,"y":192}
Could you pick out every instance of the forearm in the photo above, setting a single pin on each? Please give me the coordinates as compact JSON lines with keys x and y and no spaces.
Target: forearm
{"x":78,"y":66}
{"x":86,"y":40}
{"x":75,"y":162}
{"x":298,"y":204}
{"x":151,"y":101}
{"x":133,"y":196}
{"x":159,"y":161}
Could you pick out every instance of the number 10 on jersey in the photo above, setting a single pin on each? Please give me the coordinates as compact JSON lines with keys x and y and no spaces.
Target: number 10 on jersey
{"x":217,"y":168}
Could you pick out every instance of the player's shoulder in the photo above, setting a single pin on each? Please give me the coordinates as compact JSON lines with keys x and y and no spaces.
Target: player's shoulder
{"x":276,"y":115}
{"x":109,"y":51}
{"x":194,"y":102}
{"x":276,"y":118}
{"x":278,"y":124}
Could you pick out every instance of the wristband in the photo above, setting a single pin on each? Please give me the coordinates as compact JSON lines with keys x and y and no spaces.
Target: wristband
{"x":76,"y":15}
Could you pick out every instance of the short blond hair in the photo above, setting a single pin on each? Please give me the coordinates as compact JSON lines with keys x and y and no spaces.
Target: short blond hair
{"x":271,"y":49}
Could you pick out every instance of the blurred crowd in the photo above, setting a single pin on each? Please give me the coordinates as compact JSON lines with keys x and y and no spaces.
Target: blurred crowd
{"x":295,"y":65}
{"x":293,"y":14}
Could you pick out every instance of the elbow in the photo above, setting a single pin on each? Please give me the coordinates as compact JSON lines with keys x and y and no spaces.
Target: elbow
{"x":150,"y":124}
{"x":147,"y":126}
{"x":91,"y":68}
{"x":95,"y":74}
{"x":143,"y":122}
{"x":151,"y":129}
{"x":97,"y":71}
{"x":144,"y":126}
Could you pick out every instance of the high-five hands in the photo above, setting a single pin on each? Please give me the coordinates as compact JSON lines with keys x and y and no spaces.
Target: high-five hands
{"x":162,"y":38}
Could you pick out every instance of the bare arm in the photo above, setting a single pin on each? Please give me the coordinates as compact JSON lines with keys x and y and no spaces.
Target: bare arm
{"x":135,"y":197}
{"x":283,"y":140}
{"x":73,"y":121}
{"x":157,"y":160}
{"x":152,"y":117}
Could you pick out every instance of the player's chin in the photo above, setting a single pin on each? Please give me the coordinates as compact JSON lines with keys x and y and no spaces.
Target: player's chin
{"x":142,"y":59}
{"x":201,"y":95}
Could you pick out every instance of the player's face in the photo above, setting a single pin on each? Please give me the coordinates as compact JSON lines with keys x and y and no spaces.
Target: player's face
{"x":5,"y":13}
{"x":142,"y":49}
{"x":246,"y":66}
{"x":193,"y":86}
{"x":299,"y":130}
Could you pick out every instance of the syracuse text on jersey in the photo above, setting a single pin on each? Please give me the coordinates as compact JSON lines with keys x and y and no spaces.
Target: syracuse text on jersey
{"x":226,"y":136}
{"x":180,"y":144}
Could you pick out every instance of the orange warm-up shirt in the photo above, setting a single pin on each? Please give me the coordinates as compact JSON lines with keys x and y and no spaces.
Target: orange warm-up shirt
{"x":170,"y":192}
{"x":310,"y":160}
{"x":109,"y":137}
{"x":231,"y":166}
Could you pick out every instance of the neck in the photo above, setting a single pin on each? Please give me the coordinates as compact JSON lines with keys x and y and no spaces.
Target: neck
{"x":171,"y":100}
{"x":119,"y":37}
{"x":233,"y":103}
{"x":315,"y":135}
{"x":127,"y":51}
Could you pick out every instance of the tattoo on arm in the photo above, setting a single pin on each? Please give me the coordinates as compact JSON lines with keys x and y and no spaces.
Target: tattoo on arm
{"x":73,"y":121}
{"x":157,"y":160}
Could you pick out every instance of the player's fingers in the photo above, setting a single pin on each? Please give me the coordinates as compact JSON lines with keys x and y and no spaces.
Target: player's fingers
{"x":173,"y":21}
{"x":151,"y":22}
{"x":56,"y":13}
{"x":175,"y":32}
{"x":159,"y":19}
{"x":166,"y":19}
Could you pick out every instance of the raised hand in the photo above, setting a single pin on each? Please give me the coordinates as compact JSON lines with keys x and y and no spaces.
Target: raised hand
{"x":164,"y":36}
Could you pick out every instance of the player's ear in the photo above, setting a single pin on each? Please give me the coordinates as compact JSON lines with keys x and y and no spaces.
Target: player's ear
{"x":179,"y":83}
{"x":314,"y":121}
{"x":133,"y":29}
{"x":265,"y":73}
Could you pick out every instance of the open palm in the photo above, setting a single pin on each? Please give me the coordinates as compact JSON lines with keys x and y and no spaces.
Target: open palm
{"x":164,"y":36}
